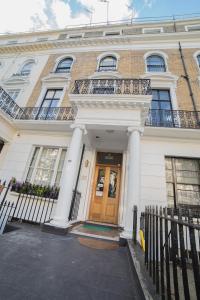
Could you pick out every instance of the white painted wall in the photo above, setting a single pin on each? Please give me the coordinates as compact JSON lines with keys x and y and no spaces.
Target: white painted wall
{"x":12,"y":64}
{"x":153,"y":152}
{"x":17,"y":159}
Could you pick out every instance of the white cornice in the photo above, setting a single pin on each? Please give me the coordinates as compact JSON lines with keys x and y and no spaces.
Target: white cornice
{"x":114,"y":42}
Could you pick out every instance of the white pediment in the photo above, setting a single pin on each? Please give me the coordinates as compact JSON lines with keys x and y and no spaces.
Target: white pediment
{"x":105,"y":75}
{"x":16,"y":80}
{"x":56,"y":77}
{"x":160,"y":76}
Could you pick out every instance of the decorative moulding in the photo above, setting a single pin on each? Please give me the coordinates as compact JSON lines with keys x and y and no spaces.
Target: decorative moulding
{"x":56,"y":77}
{"x":16,"y":80}
{"x":106,"y":75}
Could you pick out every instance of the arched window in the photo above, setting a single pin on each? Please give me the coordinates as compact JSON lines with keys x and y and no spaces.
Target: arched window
{"x":108,"y":63}
{"x":156,"y":63}
{"x":198,"y":60}
{"x":26,"y":69}
{"x":64,"y":66}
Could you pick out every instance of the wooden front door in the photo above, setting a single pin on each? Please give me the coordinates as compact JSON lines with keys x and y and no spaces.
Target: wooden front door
{"x":105,"y":196}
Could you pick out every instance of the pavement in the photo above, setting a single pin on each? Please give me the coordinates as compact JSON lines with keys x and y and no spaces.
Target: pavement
{"x":43,"y":266}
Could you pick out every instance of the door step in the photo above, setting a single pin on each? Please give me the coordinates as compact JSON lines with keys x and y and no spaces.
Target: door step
{"x":97,"y":231}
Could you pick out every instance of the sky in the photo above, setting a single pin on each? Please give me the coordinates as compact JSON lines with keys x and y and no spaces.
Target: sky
{"x":30,"y":15}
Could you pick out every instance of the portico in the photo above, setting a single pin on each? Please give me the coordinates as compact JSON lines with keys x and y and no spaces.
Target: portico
{"x":105,"y":123}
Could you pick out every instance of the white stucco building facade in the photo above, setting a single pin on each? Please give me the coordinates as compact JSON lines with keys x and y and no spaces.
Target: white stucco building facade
{"x":123,"y":98}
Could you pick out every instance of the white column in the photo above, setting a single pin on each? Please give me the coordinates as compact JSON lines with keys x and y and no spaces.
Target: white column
{"x":68,"y":177}
{"x":133,"y":186}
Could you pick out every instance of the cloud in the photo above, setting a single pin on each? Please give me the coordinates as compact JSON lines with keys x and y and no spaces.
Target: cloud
{"x":148,"y":3}
{"x":28,"y":15}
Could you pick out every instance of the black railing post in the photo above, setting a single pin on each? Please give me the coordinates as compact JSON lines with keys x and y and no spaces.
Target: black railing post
{"x":167,"y":257}
{"x":162,"y":278}
{"x":174,"y":251}
{"x":183,"y":258}
{"x":135,"y":224}
{"x":194,"y":256}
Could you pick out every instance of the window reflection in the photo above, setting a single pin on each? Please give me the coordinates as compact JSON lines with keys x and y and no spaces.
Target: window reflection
{"x":112,"y":184}
{"x":100,"y":183}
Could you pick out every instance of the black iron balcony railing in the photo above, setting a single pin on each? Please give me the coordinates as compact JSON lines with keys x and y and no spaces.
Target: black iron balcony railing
{"x":112,"y":86}
{"x":45,"y":113}
{"x":173,"y":118}
{"x":8,"y":105}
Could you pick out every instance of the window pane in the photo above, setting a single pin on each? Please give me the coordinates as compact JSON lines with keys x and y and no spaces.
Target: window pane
{"x":165,"y":105}
{"x":46,"y":103}
{"x":108,"y":63}
{"x":27,"y":68}
{"x":46,"y":165}
{"x":58,"y":94}
{"x":155,"y":94}
{"x":32,"y":164}
{"x":100,"y":183}
{"x":156,"y":63}
{"x":112,"y":184}
{"x":186,"y":180}
{"x":49,"y":94}
{"x":54,"y":103}
{"x":164,"y":95}
{"x":154,"y":105}
{"x":60,"y":167}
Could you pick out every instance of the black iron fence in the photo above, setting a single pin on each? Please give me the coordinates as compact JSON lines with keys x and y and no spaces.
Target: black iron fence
{"x":32,"y":208}
{"x":73,"y":214}
{"x":173,"y":118}
{"x":6,"y":211}
{"x":172,"y":252}
{"x":112,"y":86}
{"x":29,"y":202}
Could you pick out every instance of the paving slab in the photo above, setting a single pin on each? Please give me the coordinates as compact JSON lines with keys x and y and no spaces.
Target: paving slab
{"x":43,"y":266}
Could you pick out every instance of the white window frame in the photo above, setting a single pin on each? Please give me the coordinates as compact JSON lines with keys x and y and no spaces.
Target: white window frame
{"x":159,"y":53}
{"x":31,"y":60}
{"x":60,"y":58}
{"x":104,"y":55}
{"x":145,"y":30}
{"x":38,"y":159}
{"x":49,"y":86}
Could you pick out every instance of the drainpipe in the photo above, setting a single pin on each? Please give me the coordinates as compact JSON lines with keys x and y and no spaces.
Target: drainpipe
{"x":186,"y":76}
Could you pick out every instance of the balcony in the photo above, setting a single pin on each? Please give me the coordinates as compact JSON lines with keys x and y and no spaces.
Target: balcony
{"x":173,"y":119}
{"x":46,"y":113}
{"x":112,"y":87}
{"x":10,"y":107}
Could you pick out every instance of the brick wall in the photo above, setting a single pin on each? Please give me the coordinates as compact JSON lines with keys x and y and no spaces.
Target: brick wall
{"x":131,"y":64}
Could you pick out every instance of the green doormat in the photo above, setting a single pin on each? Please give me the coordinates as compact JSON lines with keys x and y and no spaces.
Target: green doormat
{"x":97,"y":228}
